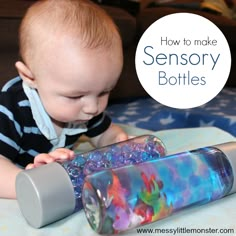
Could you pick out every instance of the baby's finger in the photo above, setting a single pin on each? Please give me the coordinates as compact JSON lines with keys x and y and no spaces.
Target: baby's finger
{"x":62,"y":154}
{"x":43,"y":159}
{"x":30,"y":166}
{"x":68,"y":152}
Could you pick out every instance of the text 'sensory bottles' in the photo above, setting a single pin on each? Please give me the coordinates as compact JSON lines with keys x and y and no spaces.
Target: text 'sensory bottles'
{"x":116,"y":200}
{"x":54,"y":191}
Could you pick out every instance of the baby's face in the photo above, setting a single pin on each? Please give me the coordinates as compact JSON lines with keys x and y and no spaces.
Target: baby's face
{"x":74,"y":83}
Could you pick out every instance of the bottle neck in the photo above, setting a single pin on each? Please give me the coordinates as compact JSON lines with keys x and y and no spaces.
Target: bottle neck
{"x":229,"y":149}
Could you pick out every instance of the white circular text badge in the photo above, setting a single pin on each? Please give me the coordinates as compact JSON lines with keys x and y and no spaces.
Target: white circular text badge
{"x":183,"y":60}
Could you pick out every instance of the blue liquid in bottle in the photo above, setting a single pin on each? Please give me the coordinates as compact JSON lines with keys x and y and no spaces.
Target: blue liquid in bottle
{"x":119,"y":199}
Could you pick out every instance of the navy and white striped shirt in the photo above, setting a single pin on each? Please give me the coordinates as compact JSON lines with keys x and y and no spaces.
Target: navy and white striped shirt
{"x":20,"y":138}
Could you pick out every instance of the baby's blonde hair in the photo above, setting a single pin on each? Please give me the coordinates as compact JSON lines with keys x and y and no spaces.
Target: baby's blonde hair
{"x":84,"y":19}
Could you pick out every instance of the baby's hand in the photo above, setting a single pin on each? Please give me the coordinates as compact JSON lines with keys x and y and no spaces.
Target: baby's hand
{"x":122,"y":136}
{"x":58,"y":155}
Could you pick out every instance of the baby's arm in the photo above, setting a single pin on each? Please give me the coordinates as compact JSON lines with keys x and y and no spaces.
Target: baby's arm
{"x":113,"y":134}
{"x":8,"y":173}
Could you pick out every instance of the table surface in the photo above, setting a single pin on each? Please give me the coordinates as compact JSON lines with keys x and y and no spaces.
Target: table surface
{"x":211,"y":218}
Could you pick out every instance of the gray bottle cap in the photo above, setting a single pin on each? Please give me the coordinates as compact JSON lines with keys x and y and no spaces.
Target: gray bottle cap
{"x":229,"y":149}
{"x":45,"y":194}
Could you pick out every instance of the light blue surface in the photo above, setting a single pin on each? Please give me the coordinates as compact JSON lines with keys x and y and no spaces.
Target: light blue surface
{"x":217,"y":215}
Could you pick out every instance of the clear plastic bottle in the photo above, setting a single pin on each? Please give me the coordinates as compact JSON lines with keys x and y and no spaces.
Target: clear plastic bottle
{"x":51,"y":192}
{"x":119,"y":199}
{"x":133,"y":151}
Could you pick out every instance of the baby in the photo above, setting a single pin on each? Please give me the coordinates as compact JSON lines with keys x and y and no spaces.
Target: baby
{"x":71,"y":60}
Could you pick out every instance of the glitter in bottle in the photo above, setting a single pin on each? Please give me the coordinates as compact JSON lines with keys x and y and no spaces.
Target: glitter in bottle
{"x":116,"y":200}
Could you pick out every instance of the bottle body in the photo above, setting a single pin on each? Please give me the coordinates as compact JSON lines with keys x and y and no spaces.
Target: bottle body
{"x":130,"y":196}
{"x":133,"y":151}
{"x":53,"y":191}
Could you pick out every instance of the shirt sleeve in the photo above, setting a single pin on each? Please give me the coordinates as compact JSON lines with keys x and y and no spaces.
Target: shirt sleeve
{"x":10,"y":129}
{"x":98,"y":125}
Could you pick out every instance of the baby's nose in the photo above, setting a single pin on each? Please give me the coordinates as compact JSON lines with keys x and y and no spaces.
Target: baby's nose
{"x":91,"y":106}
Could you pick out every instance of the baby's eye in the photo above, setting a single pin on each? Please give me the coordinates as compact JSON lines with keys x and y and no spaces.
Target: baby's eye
{"x":104,"y":93}
{"x":74,"y":97}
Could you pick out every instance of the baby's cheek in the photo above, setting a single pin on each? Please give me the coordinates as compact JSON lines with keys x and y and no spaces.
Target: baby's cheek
{"x":103,"y":104}
{"x":63,"y":116}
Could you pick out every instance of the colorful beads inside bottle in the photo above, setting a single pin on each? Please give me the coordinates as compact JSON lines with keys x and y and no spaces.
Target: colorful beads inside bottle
{"x":120,"y":199}
{"x":133,"y":151}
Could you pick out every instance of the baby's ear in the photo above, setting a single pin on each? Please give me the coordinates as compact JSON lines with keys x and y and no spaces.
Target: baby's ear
{"x":25,"y":73}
